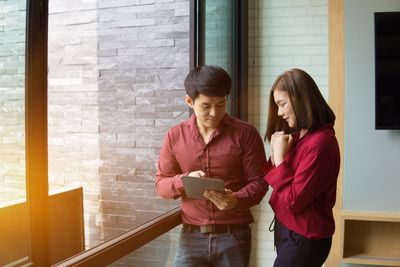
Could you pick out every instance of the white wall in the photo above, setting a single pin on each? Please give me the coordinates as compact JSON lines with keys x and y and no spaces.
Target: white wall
{"x":371,"y":157}
{"x":289,"y":34}
{"x":283,"y":34}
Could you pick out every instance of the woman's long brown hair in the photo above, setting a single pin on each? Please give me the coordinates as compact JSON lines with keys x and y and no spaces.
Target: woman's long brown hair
{"x":309,"y":106}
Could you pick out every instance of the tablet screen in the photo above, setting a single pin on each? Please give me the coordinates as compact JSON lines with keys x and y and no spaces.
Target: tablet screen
{"x":195,"y":186}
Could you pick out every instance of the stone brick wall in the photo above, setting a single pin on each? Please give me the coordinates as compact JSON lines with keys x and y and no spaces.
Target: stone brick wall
{"x":12,"y":99}
{"x":116,"y":71}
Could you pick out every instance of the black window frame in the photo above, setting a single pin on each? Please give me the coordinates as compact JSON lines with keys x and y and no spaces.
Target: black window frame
{"x":239,"y":69}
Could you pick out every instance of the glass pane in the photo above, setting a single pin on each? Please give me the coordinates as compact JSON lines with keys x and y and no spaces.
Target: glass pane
{"x":218,"y":33}
{"x":13,"y":213}
{"x":115,"y":86}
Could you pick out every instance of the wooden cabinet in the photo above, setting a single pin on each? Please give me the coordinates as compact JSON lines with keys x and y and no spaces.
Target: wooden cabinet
{"x":371,"y":238}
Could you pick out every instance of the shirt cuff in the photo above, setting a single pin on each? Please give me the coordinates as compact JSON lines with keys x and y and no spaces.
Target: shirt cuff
{"x":276,"y":177}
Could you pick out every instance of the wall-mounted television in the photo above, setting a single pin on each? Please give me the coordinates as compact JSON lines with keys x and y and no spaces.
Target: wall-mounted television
{"x":387,"y":70}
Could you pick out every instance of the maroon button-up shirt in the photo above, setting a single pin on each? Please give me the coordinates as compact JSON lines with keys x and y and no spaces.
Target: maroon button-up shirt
{"x":235,"y":153}
{"x":305,"y":184}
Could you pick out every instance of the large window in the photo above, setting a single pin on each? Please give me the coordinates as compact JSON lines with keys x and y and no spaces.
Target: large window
{"x":104,"y":82}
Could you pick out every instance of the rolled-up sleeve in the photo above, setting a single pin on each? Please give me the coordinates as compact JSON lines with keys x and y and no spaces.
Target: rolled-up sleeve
{"x":296,"y":189}
{"x":168,"y":179}
{"x":253,"y":162}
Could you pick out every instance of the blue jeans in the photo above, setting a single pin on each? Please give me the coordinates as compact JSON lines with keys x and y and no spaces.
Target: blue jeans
{"x":214,"y":249}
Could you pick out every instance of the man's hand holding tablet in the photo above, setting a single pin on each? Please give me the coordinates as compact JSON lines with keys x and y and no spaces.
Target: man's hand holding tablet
{"x":196,"y":186}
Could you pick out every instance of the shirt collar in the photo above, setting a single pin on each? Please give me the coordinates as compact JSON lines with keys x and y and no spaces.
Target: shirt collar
{"x":328,"y":127}
{"x":191,"y":123}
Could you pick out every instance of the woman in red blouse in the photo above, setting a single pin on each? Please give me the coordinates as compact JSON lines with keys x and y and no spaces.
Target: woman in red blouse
{"x":302,"y":170}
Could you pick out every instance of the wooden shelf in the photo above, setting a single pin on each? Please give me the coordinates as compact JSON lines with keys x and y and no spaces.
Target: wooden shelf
{"x":369,"y":259}
{"x":371,"y":238}
{"x":371,"y":216}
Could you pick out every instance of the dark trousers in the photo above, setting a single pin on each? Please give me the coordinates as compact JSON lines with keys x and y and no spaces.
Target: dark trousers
{"x":294,"y":250}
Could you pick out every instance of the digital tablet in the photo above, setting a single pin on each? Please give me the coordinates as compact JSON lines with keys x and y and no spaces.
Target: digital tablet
{"x":195,"y":186}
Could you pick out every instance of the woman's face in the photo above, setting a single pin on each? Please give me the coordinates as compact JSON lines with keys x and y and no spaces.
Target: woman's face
{"x":285,"y":108}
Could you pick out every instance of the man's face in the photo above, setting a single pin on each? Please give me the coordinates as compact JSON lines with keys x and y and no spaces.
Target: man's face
{"x":209,"y":110}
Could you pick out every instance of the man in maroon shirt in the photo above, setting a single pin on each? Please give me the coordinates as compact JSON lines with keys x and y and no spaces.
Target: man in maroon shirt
{"x":210,"y":143}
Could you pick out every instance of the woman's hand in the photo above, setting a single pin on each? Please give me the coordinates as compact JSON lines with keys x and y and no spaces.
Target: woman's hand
{"x":223,"y":200}
{"x":280,"y":144}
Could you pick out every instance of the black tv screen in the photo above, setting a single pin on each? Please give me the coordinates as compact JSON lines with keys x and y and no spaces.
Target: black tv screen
{"x":387,"y":70}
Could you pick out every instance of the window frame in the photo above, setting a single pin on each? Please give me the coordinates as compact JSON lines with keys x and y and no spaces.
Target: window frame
{"x":120,"y":246}
{"x":36,"y":130}
{"x":36,"y":135}
{"x":239,"y":73}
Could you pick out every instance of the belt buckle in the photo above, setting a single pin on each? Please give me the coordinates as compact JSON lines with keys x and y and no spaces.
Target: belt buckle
{"x":205,"y":229}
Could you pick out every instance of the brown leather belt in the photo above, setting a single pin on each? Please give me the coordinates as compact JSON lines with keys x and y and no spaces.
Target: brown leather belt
{"x":214,"y":228}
